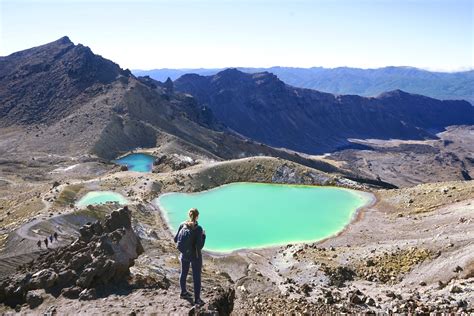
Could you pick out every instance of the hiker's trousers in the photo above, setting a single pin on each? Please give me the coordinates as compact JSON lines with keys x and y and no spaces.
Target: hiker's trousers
{"x":196,"y":265}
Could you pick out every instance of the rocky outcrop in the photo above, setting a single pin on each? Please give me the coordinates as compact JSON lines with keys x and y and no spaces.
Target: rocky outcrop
{"x":166,"y":163}
{"x":103,"y":254}
{"x":169,"y":86}
{"x":286,"y":174}
{"x":338,"y":275}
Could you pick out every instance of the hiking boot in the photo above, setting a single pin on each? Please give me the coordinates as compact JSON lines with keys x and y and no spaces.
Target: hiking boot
{"x":185,"y":295}
{"x":199,"y":302}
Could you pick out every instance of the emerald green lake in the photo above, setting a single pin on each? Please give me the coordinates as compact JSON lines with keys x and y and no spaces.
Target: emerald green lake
{"x":101,"y":197}
{"x":254,"y":215}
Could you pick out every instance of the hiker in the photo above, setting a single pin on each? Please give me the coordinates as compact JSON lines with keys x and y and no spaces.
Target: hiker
{"x":46,"y":242}
{"x":190,"y":239}
{"x":39,"y":243}
{"x":51,"y":238}
{"x":55,"y":236}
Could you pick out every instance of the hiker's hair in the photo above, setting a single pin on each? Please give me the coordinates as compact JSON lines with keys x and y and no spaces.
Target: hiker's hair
{"x":193,"y":214}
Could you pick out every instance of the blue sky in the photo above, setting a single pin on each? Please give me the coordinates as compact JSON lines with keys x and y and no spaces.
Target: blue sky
{"x":430,"y":34}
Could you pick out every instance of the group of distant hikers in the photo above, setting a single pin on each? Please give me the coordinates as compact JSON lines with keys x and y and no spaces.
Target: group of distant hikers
{"x":46,"y":242}
{"x":190,"y":240}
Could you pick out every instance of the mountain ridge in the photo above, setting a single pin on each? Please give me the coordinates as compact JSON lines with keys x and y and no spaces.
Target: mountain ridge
{"x":348,"y":80}
{"x":35,"y":83}
{"x":108,"y":115}
{"x":262,"y":107}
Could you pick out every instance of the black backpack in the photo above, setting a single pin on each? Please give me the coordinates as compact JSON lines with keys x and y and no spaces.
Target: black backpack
{"x":186,"y":241}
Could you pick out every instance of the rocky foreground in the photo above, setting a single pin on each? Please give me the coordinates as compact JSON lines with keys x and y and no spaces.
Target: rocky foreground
{"x":95,"y":266}
{"x":409,"y":253}
{"x":102,"y":255}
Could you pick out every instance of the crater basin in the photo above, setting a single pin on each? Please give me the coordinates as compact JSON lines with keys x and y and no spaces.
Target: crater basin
{"x":254,"y":215}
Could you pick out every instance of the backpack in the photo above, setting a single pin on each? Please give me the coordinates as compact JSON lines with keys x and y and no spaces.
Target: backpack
{"x":186,"y":241}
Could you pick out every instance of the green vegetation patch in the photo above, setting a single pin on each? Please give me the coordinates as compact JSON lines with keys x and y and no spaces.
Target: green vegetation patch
{"x":68,"y":195}
{"x":389,"y":267}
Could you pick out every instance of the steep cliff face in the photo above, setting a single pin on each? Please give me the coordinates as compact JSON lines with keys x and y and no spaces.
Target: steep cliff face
{"x":262,"y":107}
{"x":425,"y":112}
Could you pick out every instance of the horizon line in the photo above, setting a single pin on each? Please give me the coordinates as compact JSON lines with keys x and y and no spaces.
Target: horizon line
{"x":429,"y":69}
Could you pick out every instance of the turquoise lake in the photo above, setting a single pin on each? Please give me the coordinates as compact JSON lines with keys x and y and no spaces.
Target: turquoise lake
{"x":254,"y":215}
{"x":101,"y":197}
{"x":137,"y":162}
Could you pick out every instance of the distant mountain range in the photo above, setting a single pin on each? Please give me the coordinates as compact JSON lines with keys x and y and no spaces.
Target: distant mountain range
{"x":364,"y":82}
{"x":262,"y":107}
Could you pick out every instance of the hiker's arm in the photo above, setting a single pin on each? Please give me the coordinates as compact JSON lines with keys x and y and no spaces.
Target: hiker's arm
{"x":201,"y":239}
{"x":177,"y":233}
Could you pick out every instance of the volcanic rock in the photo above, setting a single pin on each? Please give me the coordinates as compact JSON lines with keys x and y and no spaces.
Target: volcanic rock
{"x":88,"y":294}
{"x":455,"y":289}
{"x":43,"y":279}
{"x":164,"y":163}
{"x":102,"y":254}
{"x":339,"y":275}
{"x":221,"y":302}
{"x":71,"y":292}
{"x":123,"y":168}
{"x":34,"y":299}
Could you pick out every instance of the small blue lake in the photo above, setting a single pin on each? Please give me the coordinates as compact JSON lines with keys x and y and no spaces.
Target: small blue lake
{"x":137,"y":162}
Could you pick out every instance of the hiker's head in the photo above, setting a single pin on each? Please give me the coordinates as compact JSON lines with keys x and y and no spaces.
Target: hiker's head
{"x":193,"y":215}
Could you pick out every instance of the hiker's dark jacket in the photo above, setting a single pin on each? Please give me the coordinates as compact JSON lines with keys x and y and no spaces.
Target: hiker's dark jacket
{"x":198,"y":240}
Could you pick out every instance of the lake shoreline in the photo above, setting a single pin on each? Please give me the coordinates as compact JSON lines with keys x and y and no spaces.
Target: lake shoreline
{"x":355,"y":217}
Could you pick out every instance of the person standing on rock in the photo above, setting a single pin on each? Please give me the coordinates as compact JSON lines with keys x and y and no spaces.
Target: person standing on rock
{"x":190,"y":239}
{"x":46,"y":242}
{"x":39,"y":243}
{"x":55,"y":236}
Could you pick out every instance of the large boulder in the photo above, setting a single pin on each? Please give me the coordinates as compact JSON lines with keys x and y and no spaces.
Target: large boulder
{"x":71,"y":292}
{"x":66,"y":278}
{"x":43,"y":279}
{"x":118,"y":219}
{"x":102,"y":254}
